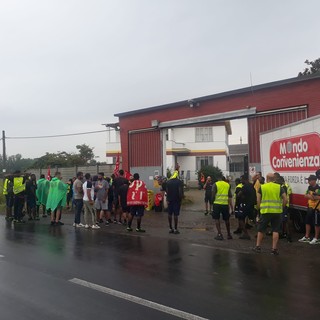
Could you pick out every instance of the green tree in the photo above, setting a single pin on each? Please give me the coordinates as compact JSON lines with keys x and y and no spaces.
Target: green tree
{"x":85,"y":153}
{"x":213,"y":172}
{"x":314,"y":67}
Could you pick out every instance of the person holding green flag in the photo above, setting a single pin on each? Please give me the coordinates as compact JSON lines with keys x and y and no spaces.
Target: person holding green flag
{"x":57,"y":198}
{"x":42,"y":194}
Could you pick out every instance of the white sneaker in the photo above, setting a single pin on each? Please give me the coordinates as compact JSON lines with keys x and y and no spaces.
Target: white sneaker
{"x":94,"y":226}
{"x":81,"y":225}
{"x":304,"y":239}
{"x":314,"y":241}
{"x":74,"y":224}
{"x":87,"y":226}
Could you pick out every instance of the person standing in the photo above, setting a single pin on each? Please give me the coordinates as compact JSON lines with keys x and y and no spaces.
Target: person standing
{"x":312,"y":217}
{"x":42,"y":191}
{"x":116,"y":185}
{"x":19,"y":192}
{"x":101,"y":189}
{"x":174,"y":190}
{"x":222,"y":205}
{"x":78,"y":200}
{"x":137,"y":200}
{"x":246,"y":202}
{"x":208,"y":195}
{"x":271,"y":200}
{"x":57,"y":199}
{"x":31,"y":188}
{"x":88,"y":203}
{"x":8,"y":193}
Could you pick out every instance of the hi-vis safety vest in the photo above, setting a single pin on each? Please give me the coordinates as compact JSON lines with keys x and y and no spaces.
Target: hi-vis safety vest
{"x":5,"y":186}
{"x":18,"y":185}
{"x":271,"y":201}
{"x":222,"y":194}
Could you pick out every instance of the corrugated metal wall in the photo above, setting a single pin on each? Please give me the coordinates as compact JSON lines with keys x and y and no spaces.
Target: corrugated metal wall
{"x":267,"y":121}
{"x":145,"y":149}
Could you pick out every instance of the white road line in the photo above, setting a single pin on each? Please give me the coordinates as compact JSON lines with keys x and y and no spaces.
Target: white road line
{"x":1,"y":256}
{"x":141,"y":301}
{"x":222,"y":248}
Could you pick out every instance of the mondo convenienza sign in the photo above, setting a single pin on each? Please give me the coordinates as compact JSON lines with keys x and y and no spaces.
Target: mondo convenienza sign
{"x":299,"y":153}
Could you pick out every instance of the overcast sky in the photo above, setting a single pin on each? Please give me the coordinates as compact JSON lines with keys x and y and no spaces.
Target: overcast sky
{"x":68,"y":66}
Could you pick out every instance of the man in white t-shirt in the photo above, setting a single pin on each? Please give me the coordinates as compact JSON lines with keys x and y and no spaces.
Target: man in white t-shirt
{"x":88,"y":203}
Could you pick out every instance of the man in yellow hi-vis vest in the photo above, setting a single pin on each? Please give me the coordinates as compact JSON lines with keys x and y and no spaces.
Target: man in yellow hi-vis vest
{"x":19,"y":191}
{"x":222,"y":204}
{"x":8,"y":193}
{"x":271,"y":199}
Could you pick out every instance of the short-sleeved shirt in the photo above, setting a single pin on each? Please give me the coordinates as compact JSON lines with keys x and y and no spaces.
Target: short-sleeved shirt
{"x":117,"y":183}
{"x":208,"y":188}
{"x":101,"y":189}
{"x":88,"y":186}
{"x":31,"y":187}
{"x":77,"y":184}
{"x":311,"y":190}
{"x":248,"y":195}
{"x":174,"y":190}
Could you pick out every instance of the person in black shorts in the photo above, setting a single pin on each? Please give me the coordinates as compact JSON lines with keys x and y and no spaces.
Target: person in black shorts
{"x":208,"y":194}
{"x":174,"y":189}
{"x":116,"y":185}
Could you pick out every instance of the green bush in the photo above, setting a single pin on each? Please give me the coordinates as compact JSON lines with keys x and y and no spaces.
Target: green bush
{"x":213,"y":172}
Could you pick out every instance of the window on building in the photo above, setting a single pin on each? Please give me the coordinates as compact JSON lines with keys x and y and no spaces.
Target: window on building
{"x":203,"y":161}
{"x":236,"y":167}
{"x":204,"y":134}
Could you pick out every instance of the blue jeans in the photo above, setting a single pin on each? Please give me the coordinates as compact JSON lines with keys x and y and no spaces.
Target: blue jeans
{"x":78,"y":205}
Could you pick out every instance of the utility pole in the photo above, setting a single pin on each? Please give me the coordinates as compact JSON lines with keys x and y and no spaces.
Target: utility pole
{"x":4,"y":156}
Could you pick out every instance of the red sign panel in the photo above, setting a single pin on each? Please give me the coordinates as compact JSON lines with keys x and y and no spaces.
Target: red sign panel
{"x":296,"y":154}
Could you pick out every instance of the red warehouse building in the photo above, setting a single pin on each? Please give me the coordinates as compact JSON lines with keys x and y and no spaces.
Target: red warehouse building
{"x":143,"y":132}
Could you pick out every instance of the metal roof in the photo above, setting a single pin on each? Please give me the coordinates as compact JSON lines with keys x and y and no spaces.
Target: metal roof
{"x":222,"y":94}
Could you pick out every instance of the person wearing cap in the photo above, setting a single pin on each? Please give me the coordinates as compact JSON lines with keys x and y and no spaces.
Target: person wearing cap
{"x":313,"y":215}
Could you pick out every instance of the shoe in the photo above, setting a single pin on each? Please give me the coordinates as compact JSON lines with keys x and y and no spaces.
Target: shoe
{"x":176,"y":231}
{"x":314,"y":241}
{"x":87,"y":226}
{"x":257,"y":249}
{"x":206,"y":213}
{"x":100,"y":221}
{"x":30,"y":219}
{"x":171,"y":231}
{"x":275,"y":252}
{"x":59,"y":223}
{"x":304,"y":239}
{"x":95,"y":226}
{"x":229,"y":237}
{"x":78,"y":225}
{"x":140,"y":230}
{"x":115,"y":221}
{"x":245,"y":237}
{"x":20,"y":221}
{"x":129,"y":229}
{"x":52,"y":223}
{"x":74,"y":224}
{"x":119,"y":222}
{"x":107,"y":223}
{"x":238,"y":231}
{"x":219,"y":237}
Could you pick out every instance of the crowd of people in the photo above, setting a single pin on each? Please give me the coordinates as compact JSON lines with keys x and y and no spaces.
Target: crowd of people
{"x":264,"y":203}
{"x":261,"y":204}
{"x":95,"y":200}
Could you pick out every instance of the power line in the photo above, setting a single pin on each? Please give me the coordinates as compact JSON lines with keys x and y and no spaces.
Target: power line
{"x":58,"y":135}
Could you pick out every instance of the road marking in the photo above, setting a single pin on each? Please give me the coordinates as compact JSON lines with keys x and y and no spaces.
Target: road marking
{"x":1,"y":256}
{"x":135,"y":299}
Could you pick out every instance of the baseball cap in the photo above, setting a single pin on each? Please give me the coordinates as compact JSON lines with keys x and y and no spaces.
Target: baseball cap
{"x":312,"y":177}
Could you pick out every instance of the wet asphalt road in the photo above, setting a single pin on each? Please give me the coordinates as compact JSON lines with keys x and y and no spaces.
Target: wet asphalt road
{"x":38,"y":262}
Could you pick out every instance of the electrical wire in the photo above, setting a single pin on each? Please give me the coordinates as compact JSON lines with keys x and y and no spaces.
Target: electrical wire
{"x":58,"y":135}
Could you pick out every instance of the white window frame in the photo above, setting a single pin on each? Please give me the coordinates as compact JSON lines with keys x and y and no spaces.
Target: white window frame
{"x":204,"y":134}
